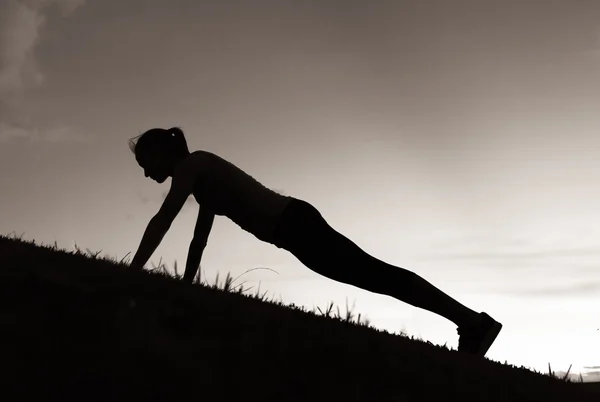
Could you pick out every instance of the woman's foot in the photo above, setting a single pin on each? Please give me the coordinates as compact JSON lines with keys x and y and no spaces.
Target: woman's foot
{"x":477,"y":340}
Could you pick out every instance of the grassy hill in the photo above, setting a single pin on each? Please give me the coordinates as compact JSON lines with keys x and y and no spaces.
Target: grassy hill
{"x":73,"y":325}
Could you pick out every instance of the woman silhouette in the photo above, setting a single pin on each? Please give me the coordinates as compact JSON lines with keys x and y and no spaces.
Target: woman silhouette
{"x":221,"y":188}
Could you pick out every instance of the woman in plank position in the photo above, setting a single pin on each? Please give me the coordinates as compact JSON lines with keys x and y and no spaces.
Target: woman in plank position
{"x":221,"y":188}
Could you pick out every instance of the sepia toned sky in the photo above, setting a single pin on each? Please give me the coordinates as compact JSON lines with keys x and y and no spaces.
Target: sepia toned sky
{"x":460,"y":140}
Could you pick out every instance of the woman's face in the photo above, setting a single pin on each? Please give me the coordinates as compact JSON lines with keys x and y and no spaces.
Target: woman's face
{"x":154,"y":167}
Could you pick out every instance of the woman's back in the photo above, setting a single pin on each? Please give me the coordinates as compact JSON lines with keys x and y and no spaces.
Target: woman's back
{"x":227,"y":190}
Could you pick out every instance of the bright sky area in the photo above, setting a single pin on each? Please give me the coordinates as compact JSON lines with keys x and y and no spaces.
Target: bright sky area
{"x":460,"y":141}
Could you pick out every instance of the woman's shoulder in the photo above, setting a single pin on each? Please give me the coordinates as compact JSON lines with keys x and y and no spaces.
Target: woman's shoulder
{"x":200,"y":156}
{"x":196,"y":163}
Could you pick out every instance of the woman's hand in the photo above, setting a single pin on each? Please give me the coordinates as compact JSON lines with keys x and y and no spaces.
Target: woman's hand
{"x":136,"y":266}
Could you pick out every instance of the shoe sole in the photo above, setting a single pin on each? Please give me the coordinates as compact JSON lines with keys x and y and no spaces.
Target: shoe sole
{"x":489,"y":338}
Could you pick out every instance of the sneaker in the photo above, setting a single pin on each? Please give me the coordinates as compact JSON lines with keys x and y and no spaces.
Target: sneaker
{"x":477,"y":340}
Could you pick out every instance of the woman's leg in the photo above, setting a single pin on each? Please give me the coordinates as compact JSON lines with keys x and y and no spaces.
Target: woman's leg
{"x":317,"y":245}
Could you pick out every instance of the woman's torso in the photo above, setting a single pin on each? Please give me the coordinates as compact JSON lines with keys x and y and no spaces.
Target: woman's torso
{"x":227,"y":190}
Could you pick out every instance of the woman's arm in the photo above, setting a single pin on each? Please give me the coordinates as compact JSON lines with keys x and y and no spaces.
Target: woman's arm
{"x":152,"y":237}
{"x":181,"y":188}
{"x":193,"y":260}
{"x":201,"y":232}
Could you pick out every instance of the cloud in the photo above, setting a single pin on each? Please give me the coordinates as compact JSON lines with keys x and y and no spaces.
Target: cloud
{"x":528,"y":259}
{"x":586,"y":377}
{"x":577,"y":289}
{"x":21,"y":23}
{"x":588,"y":374}
{"x":56,"y":134}
{"x":517,"y":258}
{"x":592,"y":376}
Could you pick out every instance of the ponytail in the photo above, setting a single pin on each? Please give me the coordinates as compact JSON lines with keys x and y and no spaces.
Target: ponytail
{"x":179,"y":142}
{"x":176,"y":132}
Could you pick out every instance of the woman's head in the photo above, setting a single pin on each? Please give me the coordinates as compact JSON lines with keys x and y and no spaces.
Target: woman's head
{"x":159,"y":150}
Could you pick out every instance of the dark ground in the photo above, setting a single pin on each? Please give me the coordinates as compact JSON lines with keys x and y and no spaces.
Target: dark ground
{"x":92,"y":329}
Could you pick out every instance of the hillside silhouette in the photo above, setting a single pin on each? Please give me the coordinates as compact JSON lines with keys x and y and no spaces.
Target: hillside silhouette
{"x":74,"y":325}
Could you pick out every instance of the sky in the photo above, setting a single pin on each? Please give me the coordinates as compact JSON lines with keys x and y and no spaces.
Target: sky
{"x":457,"y":140}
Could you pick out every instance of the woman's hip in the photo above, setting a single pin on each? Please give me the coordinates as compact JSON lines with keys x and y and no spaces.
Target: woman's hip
{"x":299,"y":222}
{"x":305,"y":233}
